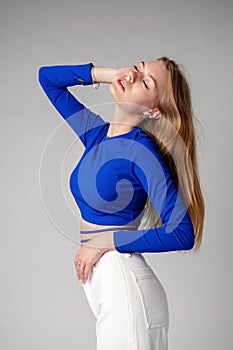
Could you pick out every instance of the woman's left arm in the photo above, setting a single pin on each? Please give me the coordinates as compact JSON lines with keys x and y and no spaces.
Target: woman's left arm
{"x":177,"y":232}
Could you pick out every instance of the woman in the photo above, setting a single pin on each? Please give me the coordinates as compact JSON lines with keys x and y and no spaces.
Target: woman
{"x":141,"y":166}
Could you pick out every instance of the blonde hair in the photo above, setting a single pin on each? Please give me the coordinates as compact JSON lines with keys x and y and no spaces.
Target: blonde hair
{"x":175,"y":135}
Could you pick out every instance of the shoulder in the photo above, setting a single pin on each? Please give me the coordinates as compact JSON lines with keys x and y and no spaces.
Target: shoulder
{"x":146,"y":149}
{"x":144,"y":139}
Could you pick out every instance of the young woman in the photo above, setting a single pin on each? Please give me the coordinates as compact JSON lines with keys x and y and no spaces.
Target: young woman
{"x":138,"y":170}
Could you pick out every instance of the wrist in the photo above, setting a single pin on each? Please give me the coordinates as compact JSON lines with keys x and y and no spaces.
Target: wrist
{"x":93,"y":75}
{"x":103,"y":75}
{"x":94,"y":82}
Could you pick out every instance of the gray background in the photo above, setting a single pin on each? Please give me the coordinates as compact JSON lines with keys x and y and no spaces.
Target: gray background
{"x":42,"y":305}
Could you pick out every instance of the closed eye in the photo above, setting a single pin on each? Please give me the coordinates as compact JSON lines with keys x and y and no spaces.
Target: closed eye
{"x":146,"y":86}
{"x":136,"y":68}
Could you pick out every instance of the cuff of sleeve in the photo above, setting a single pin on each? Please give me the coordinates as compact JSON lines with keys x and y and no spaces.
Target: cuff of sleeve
{"x":83,"y":74}
{"x":129,"y":241}
{"x":95,"y":84}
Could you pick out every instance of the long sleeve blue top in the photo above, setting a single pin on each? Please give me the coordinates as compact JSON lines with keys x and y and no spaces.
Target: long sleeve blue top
{"x":115,"y":176}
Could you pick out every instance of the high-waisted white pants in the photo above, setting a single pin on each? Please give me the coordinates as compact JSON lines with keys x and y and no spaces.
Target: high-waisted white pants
{"x":129,"y":303}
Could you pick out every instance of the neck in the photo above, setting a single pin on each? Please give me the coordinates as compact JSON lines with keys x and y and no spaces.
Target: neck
{"x":121,"y":123}
{"x":116,"y":128}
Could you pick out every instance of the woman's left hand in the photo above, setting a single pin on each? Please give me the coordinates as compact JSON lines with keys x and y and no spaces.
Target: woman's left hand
{"x":90,"y":252}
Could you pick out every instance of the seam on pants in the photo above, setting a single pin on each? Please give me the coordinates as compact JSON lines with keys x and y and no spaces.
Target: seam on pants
{"x":131,"y":325}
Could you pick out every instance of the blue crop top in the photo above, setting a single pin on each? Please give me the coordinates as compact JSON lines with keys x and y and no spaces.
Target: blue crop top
{"x":116,"y":175}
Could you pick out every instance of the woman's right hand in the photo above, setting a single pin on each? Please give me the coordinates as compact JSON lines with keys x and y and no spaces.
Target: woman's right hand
{"x":109,"y":75}
{"x":123,"y":71}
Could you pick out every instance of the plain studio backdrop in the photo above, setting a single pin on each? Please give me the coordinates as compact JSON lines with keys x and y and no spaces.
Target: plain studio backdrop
{"x":43,"y":306}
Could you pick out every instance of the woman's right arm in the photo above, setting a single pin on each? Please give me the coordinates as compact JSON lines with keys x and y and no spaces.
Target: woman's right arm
{"x":55,"y":79}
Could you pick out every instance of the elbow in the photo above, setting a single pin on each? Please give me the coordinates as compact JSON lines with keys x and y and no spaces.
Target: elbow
{"x":42,"y":75}
{"x":191,"y":235}
{"x":186,"y":233}
{"x":190,"y":242}
{"x":186,"y":237}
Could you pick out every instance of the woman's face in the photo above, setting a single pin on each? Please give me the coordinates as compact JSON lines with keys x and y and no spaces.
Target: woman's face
{"x":143,"y":86}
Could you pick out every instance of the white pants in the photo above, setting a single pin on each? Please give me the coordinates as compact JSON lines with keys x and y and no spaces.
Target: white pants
{"x":129,"y":303}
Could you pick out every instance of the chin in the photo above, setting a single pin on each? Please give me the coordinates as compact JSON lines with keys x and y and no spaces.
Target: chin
{"x":114,"y":93}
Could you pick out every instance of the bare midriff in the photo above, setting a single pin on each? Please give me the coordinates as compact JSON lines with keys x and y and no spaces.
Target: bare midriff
{"x":89,"y":230}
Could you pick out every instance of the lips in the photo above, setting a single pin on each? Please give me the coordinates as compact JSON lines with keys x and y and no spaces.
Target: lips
{"x":121,"y":82}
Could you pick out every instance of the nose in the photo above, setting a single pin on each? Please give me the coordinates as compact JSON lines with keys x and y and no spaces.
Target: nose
{"x":131,"y":76}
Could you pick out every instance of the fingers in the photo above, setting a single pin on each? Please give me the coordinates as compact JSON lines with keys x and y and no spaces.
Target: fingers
{"x":82,"y":271}
{"x":85,"y":273}
{"x":78,"y":262}
{"x":76,"y":268}
{"x":123,"y":71}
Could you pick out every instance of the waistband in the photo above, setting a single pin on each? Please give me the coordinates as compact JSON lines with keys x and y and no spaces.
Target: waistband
{"x":115,"y":252}
{"x":134,"y":259}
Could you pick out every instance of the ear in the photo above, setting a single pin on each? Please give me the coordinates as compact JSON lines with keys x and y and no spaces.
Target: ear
{"x":152,"y":113}
{"x":155,"y":113}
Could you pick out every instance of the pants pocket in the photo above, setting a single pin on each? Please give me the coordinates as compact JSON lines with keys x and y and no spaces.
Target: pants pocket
{"x":153,"y":297}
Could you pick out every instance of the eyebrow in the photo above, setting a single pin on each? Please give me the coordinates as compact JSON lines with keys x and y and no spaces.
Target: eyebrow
{"x":151,"y":76}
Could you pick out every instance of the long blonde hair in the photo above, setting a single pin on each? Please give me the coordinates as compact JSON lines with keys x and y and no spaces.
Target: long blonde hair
{"x":175,"y":135}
